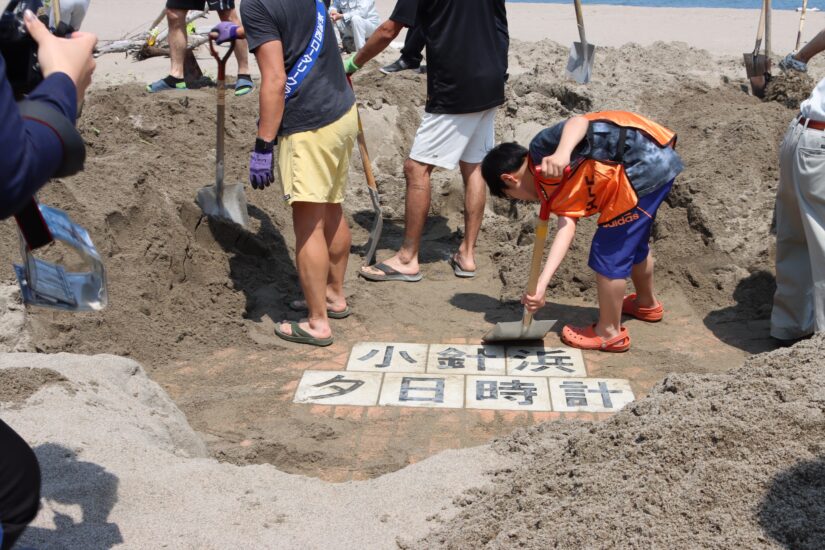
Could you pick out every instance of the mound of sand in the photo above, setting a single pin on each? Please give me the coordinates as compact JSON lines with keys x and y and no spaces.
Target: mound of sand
{"x":723,"y":461}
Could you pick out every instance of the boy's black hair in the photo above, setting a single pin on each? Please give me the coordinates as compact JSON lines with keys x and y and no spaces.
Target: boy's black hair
{"x":505,"y":158}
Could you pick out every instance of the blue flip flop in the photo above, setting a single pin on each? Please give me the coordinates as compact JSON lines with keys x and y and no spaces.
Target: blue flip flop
{"x":243,"y":86}
{"x":162,"y":86}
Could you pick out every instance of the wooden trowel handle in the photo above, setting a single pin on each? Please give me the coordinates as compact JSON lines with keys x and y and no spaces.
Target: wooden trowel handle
{"x":580,"y":21}
{"x":801,"y":24}
{"x":535,"y":267}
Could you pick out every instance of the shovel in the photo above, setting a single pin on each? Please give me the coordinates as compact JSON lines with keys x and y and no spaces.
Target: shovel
{"x":580,"y":62}
{"x":227,"y":202}
{"x":527,"y":328}
{"x":378,"y":221}
{"x":757,"y":66}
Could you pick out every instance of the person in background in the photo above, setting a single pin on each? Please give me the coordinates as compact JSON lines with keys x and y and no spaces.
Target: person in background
{"x":412,"y":54}
{"x":176,"y":11}
{"x":355,"y":21}
{"x":467,"y":44}
{"x":308,"y":109}
{"x":33,"y":151}
{"x":799,"y":301}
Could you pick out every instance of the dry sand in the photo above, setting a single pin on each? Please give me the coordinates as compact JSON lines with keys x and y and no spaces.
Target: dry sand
{"x":195,"y":302}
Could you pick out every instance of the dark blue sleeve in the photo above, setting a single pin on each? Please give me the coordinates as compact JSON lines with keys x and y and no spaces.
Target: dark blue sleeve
{"x":547,"y":141}
{"x":32,"y":151}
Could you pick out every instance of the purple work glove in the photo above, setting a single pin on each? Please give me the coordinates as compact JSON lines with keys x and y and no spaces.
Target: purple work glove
{"x":226,"y":31}
{"x":261,"y":170}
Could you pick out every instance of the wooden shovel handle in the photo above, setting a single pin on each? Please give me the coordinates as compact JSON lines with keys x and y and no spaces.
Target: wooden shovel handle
{"x":362,"y":147}
{"x":768,"y":29}
{"x":801,"y":24}
{"x":580,"y":21}
{"x":760,"y":30}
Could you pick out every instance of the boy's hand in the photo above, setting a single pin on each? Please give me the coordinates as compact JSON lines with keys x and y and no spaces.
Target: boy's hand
{"x":554,"y":165}
{"x":536,"y":301}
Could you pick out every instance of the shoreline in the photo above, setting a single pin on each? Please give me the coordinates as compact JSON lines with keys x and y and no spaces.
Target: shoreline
{"x":587,"y":6}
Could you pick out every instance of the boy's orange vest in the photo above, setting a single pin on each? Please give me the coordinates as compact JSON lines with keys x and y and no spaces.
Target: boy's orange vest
{"x":600,"y":186}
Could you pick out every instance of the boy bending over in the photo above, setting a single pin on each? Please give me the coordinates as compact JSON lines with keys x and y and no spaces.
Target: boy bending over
{"x":621,"y":167}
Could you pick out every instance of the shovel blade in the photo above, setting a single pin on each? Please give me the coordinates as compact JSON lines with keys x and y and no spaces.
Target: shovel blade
{"x":758,"y":68}
{"x":580,"y":62}
{"x":516,"y":331}
{"x":230,"y":207}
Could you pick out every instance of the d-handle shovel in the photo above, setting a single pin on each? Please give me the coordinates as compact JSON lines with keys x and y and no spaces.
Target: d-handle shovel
{"x":580,"y":62}
{"x":757,"y":65}
{"x":378,"y":220}
{"x":227,"y":202}
{"x":527,"y":328}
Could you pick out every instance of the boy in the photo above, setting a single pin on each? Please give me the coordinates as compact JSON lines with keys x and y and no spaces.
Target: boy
{"x":621,"y":167}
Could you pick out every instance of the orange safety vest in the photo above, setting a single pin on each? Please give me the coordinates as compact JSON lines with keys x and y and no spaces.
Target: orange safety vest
{"x":600,"y":185}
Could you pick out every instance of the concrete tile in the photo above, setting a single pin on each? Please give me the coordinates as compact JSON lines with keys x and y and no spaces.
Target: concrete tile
{"x":388,"y":357}
{"x":590,"y":395}
{"x":545,"y":361}
{"x":466,"y":359}
{"x":338,"y":388}
{"x":507,"y":393}
{"x":423,"y":390}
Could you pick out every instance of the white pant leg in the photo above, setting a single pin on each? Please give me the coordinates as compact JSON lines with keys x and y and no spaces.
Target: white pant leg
{"x":72,"y":12}
{"x":361,"y":30}
{"x":811,"y":166}
{"x":799,"y":302}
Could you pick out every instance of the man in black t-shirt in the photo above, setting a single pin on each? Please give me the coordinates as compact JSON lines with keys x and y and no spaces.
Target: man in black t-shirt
{"x":467,"y":43}
{"x":315,"y":123}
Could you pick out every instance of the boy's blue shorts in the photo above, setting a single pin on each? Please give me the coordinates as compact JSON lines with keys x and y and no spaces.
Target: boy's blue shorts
{"x":623,"y":243}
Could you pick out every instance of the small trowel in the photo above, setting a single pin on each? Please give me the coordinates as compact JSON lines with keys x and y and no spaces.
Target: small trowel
{"x":528,"y":328}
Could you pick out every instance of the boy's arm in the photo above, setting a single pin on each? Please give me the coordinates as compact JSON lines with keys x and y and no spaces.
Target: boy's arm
{"x":574,"y":131}
{"x":558,"y":250}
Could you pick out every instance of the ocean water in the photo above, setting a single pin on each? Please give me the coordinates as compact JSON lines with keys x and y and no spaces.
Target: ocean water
{"x":743,"y":4}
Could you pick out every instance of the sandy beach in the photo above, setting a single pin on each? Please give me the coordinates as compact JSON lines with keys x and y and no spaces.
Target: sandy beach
{"x":169,"y":419}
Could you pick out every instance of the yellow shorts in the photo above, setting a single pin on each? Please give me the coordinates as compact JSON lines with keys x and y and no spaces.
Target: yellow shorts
{"x":313,"y":165}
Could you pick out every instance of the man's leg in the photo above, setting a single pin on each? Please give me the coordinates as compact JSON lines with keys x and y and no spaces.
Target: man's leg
{"x":475,"y":197}
{"x":177,"y":40}
{"x":312,"y":256}
{"x":339,"y":241}
{"x":19,"y":485}
{"x":792,"y":314}
{"x":811,"y":192}
{"x":241,"y":46}
{"x":417,"y":205}
{"x":411,"y":55}
{"x":414,"y":43}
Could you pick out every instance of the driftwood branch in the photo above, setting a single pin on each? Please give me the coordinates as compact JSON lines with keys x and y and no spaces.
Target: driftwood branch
{"x":138,"y":43}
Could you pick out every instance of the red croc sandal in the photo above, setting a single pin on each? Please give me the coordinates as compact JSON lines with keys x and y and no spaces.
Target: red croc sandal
{"x":647,"y":314}
{"x":586,"y":338}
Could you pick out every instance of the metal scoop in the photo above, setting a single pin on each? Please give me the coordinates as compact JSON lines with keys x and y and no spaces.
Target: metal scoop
{"x":223,"y":201}
{"x":580,"y":62}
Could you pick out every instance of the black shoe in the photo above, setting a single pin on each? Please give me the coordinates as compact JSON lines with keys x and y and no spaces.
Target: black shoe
{"x":422,"y":69}
{"x":399,"y":65}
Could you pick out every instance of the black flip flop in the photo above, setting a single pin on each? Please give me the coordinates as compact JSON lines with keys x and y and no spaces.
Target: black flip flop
{"x":300,"y":336}
{"x":390,"y":274}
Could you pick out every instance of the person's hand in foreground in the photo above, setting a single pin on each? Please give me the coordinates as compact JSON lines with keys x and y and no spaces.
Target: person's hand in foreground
{"x":71,"y":56}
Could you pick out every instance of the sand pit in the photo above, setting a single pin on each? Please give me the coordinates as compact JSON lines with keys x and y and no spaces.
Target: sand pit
{"x":196,"y":302}
{"x":722,"y":461}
